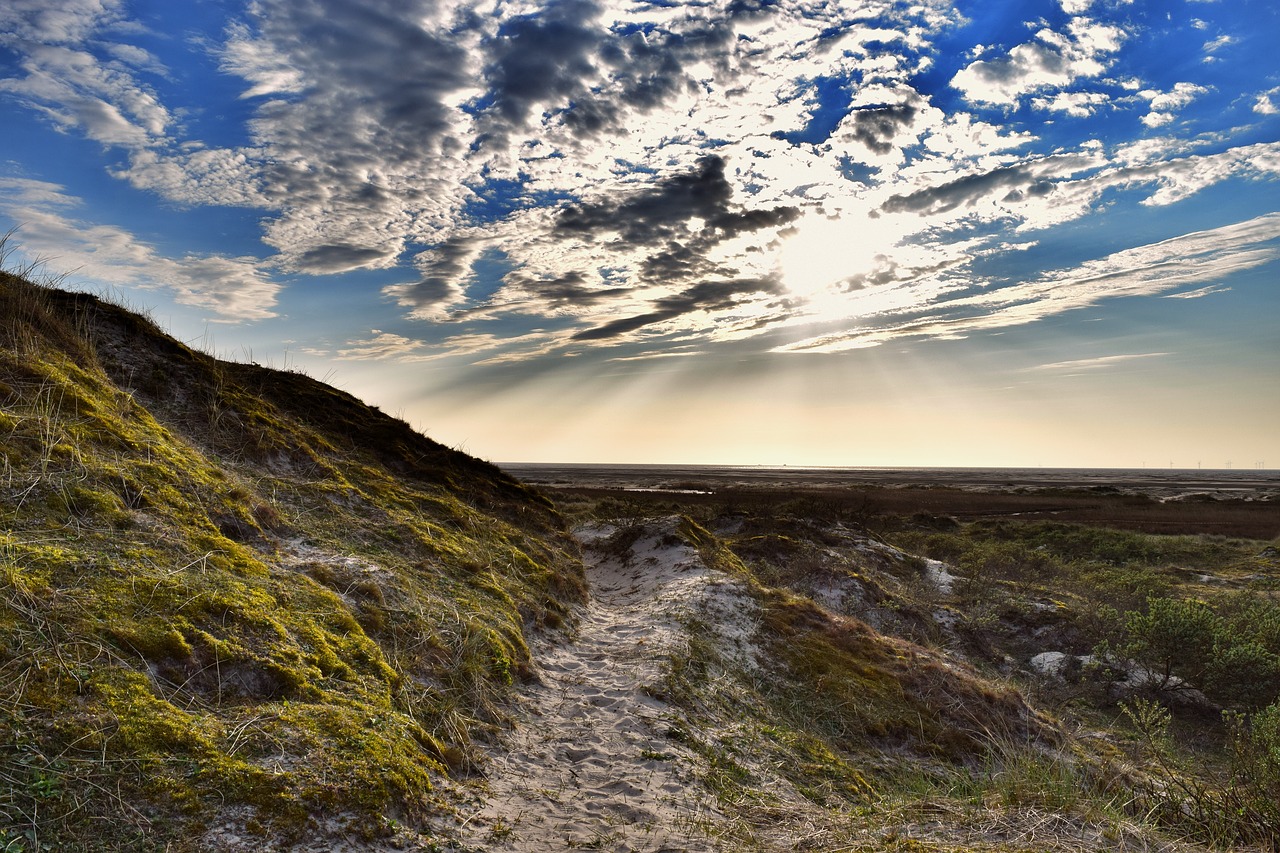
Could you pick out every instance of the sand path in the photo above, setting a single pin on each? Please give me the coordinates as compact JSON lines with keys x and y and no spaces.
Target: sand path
{"x":590,"y":763}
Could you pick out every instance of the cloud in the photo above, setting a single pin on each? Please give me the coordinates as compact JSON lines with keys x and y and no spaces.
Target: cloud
{"x":1264,"y":105}
{"x":1217,"y":44}
{"x":541,"y":59}
{"x":383,"y":346}
{"x":234,"y":288}
{"x":640,"y":170}
{"x":1164,"y":105}
{"x":694,"y":204}
{"x":1054,"y":60}
{"x":445,"y":270}
{"x":1074,"y":104}
{"x":64,"y":22}
{"x":1104,"y":362}
{"x":701,"y":298}
{"x":76,"y":90}
{"x":879,"y":127}
{"x":1198,"y":293}
{"x":1178,"y":97}
{"x":1142,"y":271}
{"x":1034,"y":179}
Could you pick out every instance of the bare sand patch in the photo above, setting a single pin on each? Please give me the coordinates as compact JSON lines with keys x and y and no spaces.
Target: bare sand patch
{"x":589,"y":763}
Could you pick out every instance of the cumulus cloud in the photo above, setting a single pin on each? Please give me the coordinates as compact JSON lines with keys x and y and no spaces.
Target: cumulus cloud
{"x":1165,"y":105}
{"x":691,"y":206}
{"x":1054,"y":60}
{"x":1074,"y":104}
{"x":1265,"y":103}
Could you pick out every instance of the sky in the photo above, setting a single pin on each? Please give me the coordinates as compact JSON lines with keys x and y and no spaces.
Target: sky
{"x":754,"y":232}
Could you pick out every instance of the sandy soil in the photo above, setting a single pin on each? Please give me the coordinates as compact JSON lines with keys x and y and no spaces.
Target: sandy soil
{"x":589,"y":763}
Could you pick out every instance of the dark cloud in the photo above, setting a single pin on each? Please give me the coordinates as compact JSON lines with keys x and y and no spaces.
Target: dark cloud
{"x":569,"y":290}
{"x":705,"y":296}
{"x":373,"y":58}
{"x":543,"y":58}
{"x":876,"y":127}
{"x":560,"y":65}
{"x":751,"y":8}
{"x":338,"y":257}
{"x":1006,"y":70}
{"x":376,"y":102}
{"x":646,"y":67}
{"x":660,"y":216}
{"x":678,"y":262}
{"x":888,"y":271}
{"x":444,"y":269}
{"x":1019,"y":180}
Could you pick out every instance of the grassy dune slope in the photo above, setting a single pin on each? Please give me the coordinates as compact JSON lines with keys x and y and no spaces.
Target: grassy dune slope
{"x":921,"y":684}
{"x":234,"y":600}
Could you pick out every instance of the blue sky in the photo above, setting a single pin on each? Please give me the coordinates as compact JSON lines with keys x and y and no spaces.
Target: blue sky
{"x":732,"y":231}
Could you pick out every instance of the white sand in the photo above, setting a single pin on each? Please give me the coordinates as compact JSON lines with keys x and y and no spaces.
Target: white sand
{"x":589,"y":763}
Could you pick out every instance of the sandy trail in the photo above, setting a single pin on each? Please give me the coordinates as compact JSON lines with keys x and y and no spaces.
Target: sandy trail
{"x":589,"y":763}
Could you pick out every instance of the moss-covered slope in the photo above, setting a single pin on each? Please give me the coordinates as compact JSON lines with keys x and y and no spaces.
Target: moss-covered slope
{"x":235,"y":600}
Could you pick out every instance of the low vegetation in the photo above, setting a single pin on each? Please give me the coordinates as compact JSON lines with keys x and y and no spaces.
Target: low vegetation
{"x":236,"y":602}
{"x":898,"y":687}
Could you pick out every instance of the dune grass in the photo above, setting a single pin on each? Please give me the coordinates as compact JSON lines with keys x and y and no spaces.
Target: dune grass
{"x":235,"y":600}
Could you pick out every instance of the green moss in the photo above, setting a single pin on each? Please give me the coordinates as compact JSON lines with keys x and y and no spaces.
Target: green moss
{"x":175,"y":623}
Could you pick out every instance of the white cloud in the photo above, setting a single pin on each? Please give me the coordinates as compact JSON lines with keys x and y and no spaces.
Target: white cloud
{"x":76,"y":90}
{"x":1053,"y":61}
{"x":235,"y":289}
{"x":1219,"y":43}
{"x":1142,"y":271}
{"x":383,"y":346}
{"x":1198,"y":293}
{"x":63,"y":22}
{"x":1074,"y":104}
{"x":255,"y":61}
{"x":1104,"y":362}
{"x":1164,"y":105}
{"x":1180,"y":96}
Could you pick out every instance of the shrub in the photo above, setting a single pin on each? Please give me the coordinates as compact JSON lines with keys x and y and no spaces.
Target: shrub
{"x":1185,"y":643}
{"x":1174,"y":639}
{"x":1241,"y":808}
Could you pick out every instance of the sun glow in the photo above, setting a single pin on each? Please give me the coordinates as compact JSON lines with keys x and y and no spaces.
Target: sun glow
{"x":829,"y":258}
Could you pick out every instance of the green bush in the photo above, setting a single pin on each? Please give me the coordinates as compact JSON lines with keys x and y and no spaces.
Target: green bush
{"x":1174,"y":638}
{"x":1185,"y":642}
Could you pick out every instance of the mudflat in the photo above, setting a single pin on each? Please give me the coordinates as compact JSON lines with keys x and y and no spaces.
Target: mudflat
{"x":1229,"y":502}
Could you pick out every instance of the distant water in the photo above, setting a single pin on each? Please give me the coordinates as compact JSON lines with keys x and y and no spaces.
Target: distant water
{"x":1258,"y":484}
